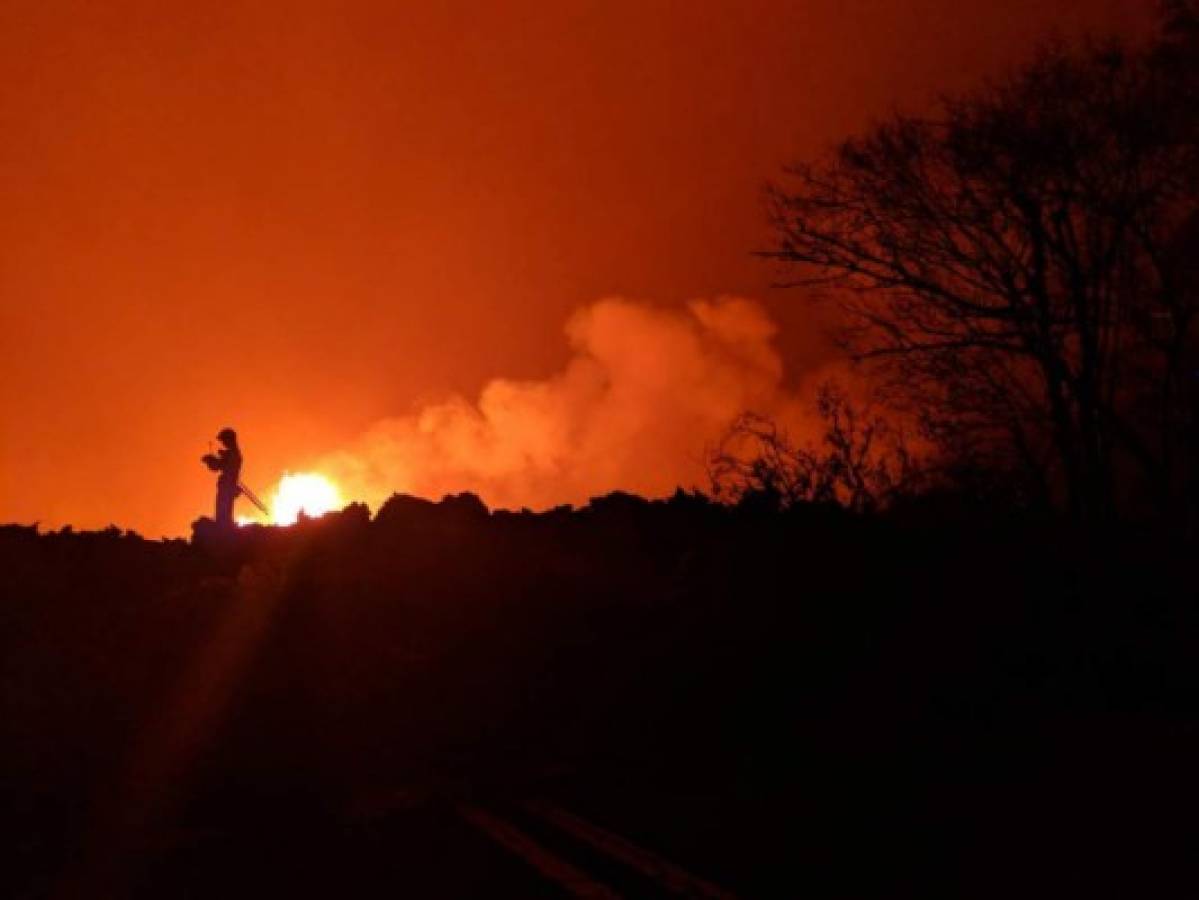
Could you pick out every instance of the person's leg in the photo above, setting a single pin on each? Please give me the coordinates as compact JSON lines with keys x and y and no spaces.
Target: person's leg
{"x":224,"y":505}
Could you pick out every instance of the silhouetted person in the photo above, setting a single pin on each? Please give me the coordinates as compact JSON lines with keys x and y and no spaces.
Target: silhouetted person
{"x":227,"y":462}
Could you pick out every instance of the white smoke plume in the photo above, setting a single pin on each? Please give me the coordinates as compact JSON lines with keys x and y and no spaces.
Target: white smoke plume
{"x":646,"y":390}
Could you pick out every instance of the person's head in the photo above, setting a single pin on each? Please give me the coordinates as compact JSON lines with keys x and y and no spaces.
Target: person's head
{"x":227,"y":436}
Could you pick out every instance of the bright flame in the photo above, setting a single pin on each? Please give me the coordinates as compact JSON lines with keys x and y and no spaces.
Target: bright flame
{"x":303,"y":492}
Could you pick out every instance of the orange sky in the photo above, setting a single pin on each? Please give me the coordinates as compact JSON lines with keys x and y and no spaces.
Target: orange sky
{"x":302,"y":218}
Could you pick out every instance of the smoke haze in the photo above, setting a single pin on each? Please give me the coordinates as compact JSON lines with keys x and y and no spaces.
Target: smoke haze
{"x":298,"y":218}
{"x":645,"y":391}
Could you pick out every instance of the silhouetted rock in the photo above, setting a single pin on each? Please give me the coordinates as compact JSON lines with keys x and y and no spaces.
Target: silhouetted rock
{"x":402,"y":509}
{"x":857,"y":667}
{"x":463,"y":508}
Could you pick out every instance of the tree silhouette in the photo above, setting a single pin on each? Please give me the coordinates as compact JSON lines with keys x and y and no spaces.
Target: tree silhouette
{"x":861,"y":462}
{"x":1011,"y":266}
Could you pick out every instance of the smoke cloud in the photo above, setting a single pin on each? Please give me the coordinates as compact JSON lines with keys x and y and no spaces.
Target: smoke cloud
{"x":645,"y":391}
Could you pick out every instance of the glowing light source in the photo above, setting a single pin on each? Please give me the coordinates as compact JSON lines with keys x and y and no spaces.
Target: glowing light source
{"x":303,"y":492}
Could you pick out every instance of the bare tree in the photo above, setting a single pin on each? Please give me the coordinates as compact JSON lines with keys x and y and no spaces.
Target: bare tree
{"x":1006,"y":265}
{"x":861,"y":462}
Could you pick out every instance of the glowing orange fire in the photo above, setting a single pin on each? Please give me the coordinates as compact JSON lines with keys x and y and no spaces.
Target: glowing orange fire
{"x":303,"y":492}
{"x":299,"y":492}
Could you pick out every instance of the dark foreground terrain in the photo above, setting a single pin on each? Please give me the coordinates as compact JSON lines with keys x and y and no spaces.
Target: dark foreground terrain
{"x":631,"y":699}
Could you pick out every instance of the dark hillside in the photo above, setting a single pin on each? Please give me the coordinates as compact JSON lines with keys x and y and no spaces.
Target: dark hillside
{"x":803,"y":702}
